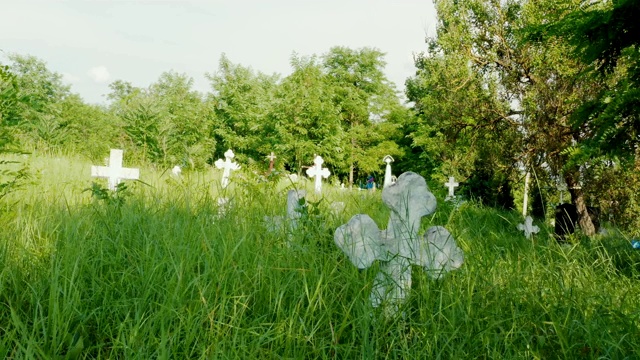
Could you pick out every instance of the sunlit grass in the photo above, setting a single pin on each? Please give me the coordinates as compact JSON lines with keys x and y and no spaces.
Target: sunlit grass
{"x":166,"y":275}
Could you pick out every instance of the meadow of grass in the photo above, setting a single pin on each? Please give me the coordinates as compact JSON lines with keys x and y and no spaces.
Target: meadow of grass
{"x":162,"y":273}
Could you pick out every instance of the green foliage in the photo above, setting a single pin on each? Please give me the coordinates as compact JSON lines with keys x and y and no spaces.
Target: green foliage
{"x":304,"y":122}
{"x":604,"y":37}
{"x":240,"y":102}
{"x":40,"y":93}
{"x":366,"y":99}
{"x":11,"y":177}
{"x":114,"y":198}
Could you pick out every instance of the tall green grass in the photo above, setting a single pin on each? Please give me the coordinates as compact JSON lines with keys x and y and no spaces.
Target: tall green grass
{"x":166,"y":275}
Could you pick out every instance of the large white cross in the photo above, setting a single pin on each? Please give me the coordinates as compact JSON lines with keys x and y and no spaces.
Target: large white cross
{"x":227,"y":165}
{"x":387,"y":171}
{"x":115,"y":172}
{"x":452,"y":184}
{"x":318,"y":172}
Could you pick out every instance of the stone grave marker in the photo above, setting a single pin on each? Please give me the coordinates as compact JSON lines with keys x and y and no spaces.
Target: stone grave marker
{"x":387,"y":171}
{"x":528,"y":227}
{"x":276,"y":223}
{"x":115,"y":172}
{"x":399,"y":246}
{"x":227,"y":164}
{"x":452,"y":184}
{"x":318,"y":172}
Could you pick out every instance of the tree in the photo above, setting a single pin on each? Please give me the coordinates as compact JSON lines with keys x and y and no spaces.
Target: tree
{"x":303,"y":119}
{"x":497,"y":91}
{"x":240,"y":102}
{"x":605,"y":37}
{"x":9,"y":116}
{"x":183,"y":121}
{"x":40,"y":93}
{"x":365,"y":97}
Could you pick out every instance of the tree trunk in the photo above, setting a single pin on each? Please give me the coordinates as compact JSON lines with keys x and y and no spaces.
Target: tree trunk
{"x":353,"y":146}
{"x":577,"y":198}
{"x":351,"y":176}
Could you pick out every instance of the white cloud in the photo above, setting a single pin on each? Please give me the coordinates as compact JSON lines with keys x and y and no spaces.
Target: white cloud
{"x":99,"y":74}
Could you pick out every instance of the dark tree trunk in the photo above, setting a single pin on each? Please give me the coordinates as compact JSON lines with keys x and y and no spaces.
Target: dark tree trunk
{"x":577,"y":198}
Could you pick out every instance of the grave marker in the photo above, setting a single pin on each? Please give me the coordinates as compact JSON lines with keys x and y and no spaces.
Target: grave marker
{"x":318,"y":172}
{"x":271,"y":158}
{"x":452,"y":184}
{"x":227,"y":165}
{"x":387,"y":171}
{"x":399,"y":246}
{"x":528,"y":227}
{"x":115,"y":172}
{"x":294,"y":212}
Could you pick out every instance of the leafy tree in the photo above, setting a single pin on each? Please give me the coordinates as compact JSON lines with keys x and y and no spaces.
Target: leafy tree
{"x":240,"y":102}
{"x":9,"y":112}
{"x":10,"y":178}
{"x":90,"y":129}
{"x":185,"y":125}
{"x":39,"y":96}
{"x":303,"y":120}
{"x":482,"y":86}
{"x":605,"y":37}
{"x":365,"y":98}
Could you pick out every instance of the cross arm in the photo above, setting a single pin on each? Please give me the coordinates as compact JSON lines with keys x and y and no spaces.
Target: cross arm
{"x":359,"y":239}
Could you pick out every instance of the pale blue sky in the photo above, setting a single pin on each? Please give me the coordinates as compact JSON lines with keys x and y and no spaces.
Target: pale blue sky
{"x":93,"y":43}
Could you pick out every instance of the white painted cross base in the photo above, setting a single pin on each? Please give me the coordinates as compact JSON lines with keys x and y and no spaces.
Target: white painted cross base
{"x":318,"y":172}
{"x":528,"y":227}
{"x":399,"y":246}
{"x":227,"y":165}
{"x":115,"y":172}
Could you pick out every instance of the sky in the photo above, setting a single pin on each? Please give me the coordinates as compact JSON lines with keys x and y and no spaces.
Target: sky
{"x":93,"y":43}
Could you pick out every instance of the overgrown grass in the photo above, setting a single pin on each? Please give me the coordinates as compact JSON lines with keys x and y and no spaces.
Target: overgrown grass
{"x":165,"y":275}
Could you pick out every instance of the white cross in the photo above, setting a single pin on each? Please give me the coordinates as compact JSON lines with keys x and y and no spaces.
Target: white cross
{"x":176,"y":171}
{"x":399,"y":246}
{"x":528,"y":227}
{"x":318,"y":172}
{"x":452,"y":184}
{"x":227,"y":165}
{"x":115,"y":172}
{"x":387,"y":171}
